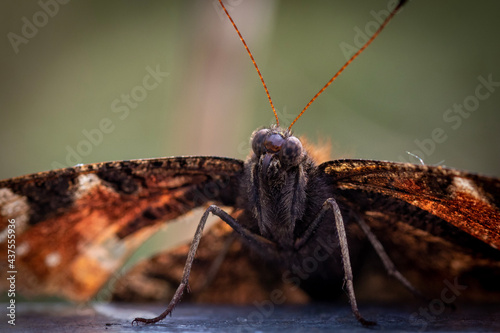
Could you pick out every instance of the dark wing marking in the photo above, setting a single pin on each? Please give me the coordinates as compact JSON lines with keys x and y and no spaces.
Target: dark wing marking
{"x":76,"y":226}
{"x":467,"y":201}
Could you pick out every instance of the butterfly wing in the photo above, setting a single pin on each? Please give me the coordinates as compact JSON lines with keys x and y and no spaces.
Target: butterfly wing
{"x":74,"y":227}
{"x":438,"y":225}
{"x":468,"y":202}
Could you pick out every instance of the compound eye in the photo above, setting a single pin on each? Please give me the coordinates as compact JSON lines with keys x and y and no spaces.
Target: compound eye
{"x":291,"y":152}
{"x":258,"y":138}
{"x":273,"y":143}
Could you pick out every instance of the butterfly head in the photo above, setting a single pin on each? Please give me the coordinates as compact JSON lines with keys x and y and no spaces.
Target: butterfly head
{"x":277,"y":145}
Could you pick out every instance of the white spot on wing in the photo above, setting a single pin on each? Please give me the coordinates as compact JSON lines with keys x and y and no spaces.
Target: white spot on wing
{"x":85,"y":184}
{"x":53,"y":259}
{"x":3,"y":235}
{"x":110,"y":253}
{"x":23,"y":248}
{"x":13,"y":206}
{"x":468,"y":186}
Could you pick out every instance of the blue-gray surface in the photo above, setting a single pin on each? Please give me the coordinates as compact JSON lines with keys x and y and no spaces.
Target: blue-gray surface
{"x":50,"y":317}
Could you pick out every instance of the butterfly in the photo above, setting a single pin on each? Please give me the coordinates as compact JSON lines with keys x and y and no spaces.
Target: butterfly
{"x":128,"y":200}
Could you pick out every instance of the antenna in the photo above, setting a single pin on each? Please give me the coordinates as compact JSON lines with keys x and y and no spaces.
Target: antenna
{"x":382,"y":26}
{"x":253,"y":61}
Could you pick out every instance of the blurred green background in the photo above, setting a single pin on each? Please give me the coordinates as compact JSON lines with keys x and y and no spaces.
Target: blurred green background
{"x":65,"y":78}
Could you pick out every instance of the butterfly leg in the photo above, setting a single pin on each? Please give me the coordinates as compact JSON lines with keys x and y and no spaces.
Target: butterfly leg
{"x":191,"y":254}
{"x":388,"y":264}
{"x":331,"y":204}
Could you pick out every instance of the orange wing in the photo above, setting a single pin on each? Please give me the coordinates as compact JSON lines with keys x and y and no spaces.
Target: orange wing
{"x":74,"y":227}
{"x":467,"y":201}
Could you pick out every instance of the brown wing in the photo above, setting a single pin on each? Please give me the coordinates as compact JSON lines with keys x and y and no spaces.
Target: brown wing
{"x":466,"y":201}
{"x":74,"y":227}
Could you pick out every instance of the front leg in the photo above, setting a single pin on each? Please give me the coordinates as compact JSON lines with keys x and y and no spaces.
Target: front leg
{"x":331,"y":204}
{"x":258,"y":240}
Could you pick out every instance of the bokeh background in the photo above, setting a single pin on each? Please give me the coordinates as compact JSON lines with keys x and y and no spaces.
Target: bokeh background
{"x":68,"y":75}
{"x":87,"y":55}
